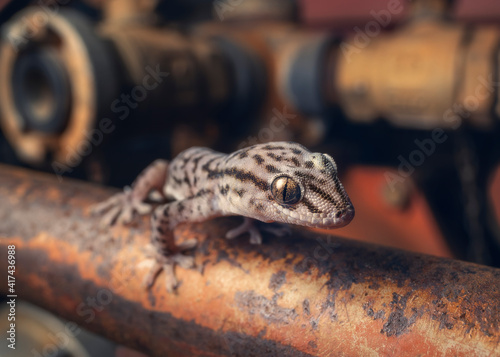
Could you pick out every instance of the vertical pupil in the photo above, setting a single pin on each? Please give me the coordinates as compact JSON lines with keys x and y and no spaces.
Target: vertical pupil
{"x":284,"y":190}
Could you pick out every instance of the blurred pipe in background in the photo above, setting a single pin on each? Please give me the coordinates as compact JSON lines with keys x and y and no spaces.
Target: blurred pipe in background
{"x":429,"y":73}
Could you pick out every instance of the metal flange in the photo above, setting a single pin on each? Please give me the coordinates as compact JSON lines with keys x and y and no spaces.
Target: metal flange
{"x":56,"y":79}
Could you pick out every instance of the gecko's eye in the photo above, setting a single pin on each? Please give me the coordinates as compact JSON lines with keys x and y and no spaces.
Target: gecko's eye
{"x":286,"y":190}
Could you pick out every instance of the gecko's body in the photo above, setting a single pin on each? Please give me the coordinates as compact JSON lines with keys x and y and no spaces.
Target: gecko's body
{"x":275,"y":182}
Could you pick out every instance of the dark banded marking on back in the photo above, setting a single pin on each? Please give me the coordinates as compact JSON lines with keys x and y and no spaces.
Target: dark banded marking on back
{"x":294,"y":161}
{"x":272,"y":147}
{"x":272,"y":169}
{"x":242,"y":153}
{"x":206,"y":166}
{"x":274,"y":156}
{"x":240,"y":175}
{"x":196,"y":161}
{"x":246,"y":176}
{"x":258,"y":159}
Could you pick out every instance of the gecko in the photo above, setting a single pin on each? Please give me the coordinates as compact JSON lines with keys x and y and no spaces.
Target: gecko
{"x":274,"y":182}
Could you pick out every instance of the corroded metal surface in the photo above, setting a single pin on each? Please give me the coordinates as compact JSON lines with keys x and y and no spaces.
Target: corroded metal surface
{"x":296,"y":296}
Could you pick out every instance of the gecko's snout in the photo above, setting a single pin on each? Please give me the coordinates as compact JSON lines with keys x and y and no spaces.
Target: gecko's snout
{"x":345,"y":216}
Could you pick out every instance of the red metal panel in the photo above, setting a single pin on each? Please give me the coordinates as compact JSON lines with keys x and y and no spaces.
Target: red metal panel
{"x":331,"y":12}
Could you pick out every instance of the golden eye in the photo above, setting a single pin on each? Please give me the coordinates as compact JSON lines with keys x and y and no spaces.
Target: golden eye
{"x":285,"y":190}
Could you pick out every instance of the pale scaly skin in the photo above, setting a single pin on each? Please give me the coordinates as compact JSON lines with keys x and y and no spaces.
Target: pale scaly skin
{"x":275,"y":182}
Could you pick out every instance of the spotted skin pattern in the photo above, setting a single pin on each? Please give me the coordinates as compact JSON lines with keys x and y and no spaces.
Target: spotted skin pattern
{"x":275,"y":182}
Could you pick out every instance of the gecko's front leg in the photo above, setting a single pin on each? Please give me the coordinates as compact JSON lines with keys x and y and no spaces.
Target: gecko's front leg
{"x":165,"y":251}
{"x":125,"y":206}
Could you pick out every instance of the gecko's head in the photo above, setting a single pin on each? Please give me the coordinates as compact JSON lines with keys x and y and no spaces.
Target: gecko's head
{"x":301,"y":187}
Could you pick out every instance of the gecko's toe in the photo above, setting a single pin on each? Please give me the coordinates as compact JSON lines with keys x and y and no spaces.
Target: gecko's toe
{"x":279,"y":230}
{"x":171,"y":282}
{"x":167,"y":263}
{"x":125,"y":216}
{"x":187,"y":244}
{"x":246,"y":227}
{"x":110,"y":217}
{"x":233,"y":233}
{"x":255,"y":236}
{"x":150,"y":277}
{"x":184,"y":261}
{"x":156,"y":196}
{"x":142,"y":208}
{"x":102,"y":207}
{"x":121,"y":208}
{"x":168,"y":268}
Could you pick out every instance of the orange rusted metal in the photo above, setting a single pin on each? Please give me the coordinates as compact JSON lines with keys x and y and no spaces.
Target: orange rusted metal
{"x":290,"y":296}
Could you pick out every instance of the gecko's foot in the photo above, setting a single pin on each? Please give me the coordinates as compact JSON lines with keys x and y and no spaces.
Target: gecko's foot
{"x":121,"y":208}
{"x":167,"y":263}
{"x":248,"y":226}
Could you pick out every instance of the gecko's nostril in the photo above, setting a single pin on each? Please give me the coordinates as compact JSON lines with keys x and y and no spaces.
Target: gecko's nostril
{"x":339,"y":214}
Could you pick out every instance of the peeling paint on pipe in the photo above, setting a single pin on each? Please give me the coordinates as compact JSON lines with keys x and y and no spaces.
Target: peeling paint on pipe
{"x":297,"y":296}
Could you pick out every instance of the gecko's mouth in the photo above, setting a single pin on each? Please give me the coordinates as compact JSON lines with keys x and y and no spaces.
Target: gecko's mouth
{"x":319,"y":220}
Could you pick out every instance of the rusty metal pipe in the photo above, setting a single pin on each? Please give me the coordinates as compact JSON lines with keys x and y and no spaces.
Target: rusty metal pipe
{"x":296,"y":296}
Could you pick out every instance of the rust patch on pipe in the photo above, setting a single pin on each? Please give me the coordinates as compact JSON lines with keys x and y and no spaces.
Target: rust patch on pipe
{"x":277,"y":280}
{"x":267,"y":308}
